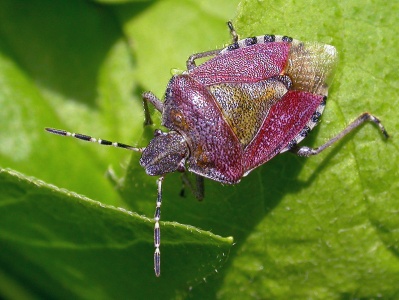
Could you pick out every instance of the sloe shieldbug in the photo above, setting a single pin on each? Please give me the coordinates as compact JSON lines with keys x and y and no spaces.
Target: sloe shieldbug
{"x":252,"y":100}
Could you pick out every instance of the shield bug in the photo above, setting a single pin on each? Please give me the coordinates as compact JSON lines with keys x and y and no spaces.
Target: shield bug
{"x":256,"y":98}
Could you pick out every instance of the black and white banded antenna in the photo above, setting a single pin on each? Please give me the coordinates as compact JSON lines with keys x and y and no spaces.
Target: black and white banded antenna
{"x":88,"y":138}
{"x":157,"y":215}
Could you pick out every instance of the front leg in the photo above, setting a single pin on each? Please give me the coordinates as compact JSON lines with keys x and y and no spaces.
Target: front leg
{"x":158,"y":104}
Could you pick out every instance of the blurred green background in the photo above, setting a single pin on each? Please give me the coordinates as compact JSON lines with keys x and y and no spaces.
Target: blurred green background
{"x":321,"y":228}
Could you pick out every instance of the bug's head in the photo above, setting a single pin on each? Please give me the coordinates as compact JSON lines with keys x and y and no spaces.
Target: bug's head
{"x":166,"y":153}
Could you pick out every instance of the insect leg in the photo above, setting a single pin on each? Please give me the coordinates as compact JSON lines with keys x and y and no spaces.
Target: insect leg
{"x":191,"y":60}
{"x":200,"y":187}
{"x":197,"y":189}
{"x":150,"y":97}
{"x":157,"y":230}
{"x":88,"y":138}
{"x":233,"y":33}
{"x":365,"y":117}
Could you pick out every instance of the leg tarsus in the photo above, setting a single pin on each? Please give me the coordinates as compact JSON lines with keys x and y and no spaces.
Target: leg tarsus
{"x":113,"y":178}
{"x":233,"y":33}
{"x":197,"y":189}
{"x":306,"y":151}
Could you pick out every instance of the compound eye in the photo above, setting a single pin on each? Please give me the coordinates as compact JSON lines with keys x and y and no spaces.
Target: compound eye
{"x":177,"y":116}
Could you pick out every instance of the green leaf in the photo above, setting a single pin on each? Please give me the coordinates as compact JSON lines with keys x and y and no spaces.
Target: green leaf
{"x":62,"y":245}
{"x":322,"y":227}
{"x":325,"y":227}
{"x":68,"y":65}
{"x":74,"y":72}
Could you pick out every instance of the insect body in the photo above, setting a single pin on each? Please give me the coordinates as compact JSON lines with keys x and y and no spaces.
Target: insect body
{"x":252,"y":100}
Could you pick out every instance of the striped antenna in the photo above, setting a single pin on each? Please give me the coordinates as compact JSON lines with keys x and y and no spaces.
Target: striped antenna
{"x":88,"y":138}
{"x":157,"y":215}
